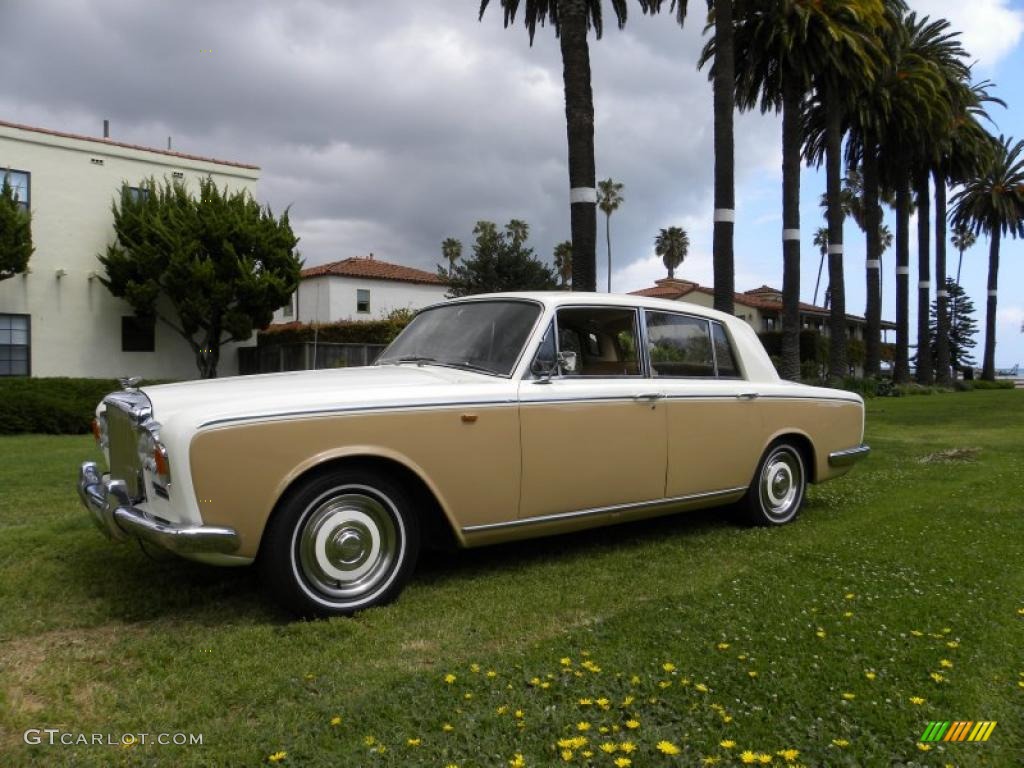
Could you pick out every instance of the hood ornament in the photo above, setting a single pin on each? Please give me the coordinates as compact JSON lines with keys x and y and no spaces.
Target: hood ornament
{"x":130,"y":383}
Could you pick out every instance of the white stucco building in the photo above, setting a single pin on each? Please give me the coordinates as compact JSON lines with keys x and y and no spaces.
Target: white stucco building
{"x":59,"y":320}
{"x":360,"y":288}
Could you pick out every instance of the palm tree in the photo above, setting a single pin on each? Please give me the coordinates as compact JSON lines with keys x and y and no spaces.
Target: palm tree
{"x":672,"y":245}
{"x":609,"y":198}
{"x":563,"y":262}
{"x":993,"y":203}
{"x":518,"y":230}
{"x":451,"y":250}
{"x":963,"y":239}
{"x":571,"y":20}
{"x":820,"y":240}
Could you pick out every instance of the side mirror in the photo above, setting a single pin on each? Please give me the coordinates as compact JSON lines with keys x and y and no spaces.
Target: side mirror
{"x":567,"y":362}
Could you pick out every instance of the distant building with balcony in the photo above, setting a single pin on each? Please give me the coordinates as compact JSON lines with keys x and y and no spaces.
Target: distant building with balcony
{"x":58,"y":319}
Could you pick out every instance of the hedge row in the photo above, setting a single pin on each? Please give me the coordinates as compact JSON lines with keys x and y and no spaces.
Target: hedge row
{"x":56,"y":406}
{"x":344,"y":332}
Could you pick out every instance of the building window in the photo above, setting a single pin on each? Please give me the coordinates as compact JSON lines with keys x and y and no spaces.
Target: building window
{"x":137,"y":335}
{"x":769,"y":323}
{"x":289,"y":308}
{"x":19,"y":181}
{"x":362,"y":300}
{"x":135,"y":194}
{"x":14,"y":345}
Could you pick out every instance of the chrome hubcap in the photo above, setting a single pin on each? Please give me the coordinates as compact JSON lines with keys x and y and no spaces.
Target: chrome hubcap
{"x":781,"y":485}
{"x":348,"y":545}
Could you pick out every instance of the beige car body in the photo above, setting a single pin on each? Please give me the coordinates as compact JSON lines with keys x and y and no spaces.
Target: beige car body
{"x":494,"y":458}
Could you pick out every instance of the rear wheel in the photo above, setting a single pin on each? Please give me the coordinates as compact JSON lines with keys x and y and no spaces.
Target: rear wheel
{"x":341,"y":542}
{"x":777,"y":492}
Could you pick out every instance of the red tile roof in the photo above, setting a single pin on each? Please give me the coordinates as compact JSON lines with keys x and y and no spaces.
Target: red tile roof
{"x":373,"y":269}
{"x":110,"y":142}
{"x":676,"y":289}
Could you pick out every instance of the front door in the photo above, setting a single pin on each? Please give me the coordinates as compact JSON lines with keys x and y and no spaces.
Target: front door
{"x":595,"y":437}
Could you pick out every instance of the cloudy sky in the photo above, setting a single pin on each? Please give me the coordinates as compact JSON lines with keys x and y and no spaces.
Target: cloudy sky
{"x":390,"y":126}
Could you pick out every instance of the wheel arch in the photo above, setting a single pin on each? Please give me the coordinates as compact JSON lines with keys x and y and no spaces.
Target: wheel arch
{"x":435,"y":518}
{"x":803,"y":443}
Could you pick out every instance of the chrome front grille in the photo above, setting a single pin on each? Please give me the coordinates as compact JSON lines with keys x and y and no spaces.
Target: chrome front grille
{"x":125,"y":464}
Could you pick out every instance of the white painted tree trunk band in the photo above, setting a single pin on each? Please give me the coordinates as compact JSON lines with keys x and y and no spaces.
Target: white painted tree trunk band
{"x":902,"y":270}
{"x":582,"y":195}
{"x":924,"y":284}
{"x":942,"y":294}
{"x":790,"y":234}
{"x":993,"y":292}
{"x":874,"y":263}
{"x":836,"y":249}
{"x":726,"y":215}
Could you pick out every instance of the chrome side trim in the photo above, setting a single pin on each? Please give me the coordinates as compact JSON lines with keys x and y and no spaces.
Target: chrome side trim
{"x":848,"y":457}
{"x":615,"y":508}
{"x":107,"y":501}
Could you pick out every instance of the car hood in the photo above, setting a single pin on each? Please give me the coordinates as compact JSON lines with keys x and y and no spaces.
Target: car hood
{"x":236,"y":398}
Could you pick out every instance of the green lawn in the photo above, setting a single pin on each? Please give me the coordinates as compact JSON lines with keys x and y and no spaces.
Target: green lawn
{"x":896,"y":599}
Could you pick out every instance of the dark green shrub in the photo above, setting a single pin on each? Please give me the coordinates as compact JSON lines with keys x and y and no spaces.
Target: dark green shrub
{"x":57,"y":406}
{"x":998,"y":384}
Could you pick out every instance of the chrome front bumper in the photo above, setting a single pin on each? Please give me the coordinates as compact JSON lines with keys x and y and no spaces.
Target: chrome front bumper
{"x":111,"y":509}
{"x":848,"y":457}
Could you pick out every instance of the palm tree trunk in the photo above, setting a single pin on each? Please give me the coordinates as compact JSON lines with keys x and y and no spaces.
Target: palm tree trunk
{"x":901,"y":371}
{"x":988,"y":369}
{"x":837,"y":367}
{"x":608,"y":239}
{"x":941,"y":295}
{"x":579,"y":120}
{"x":725,"y":193}
{"x":925,"y":369}
{"x":873,"y":222}
{"x":817,"y":283}
{"x":791,"y":144}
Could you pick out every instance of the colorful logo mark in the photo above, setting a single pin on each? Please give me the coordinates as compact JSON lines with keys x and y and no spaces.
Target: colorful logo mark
{"x":959,"y":730}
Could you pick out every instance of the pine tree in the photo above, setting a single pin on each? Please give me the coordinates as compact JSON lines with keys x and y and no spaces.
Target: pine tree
{"x":962,"y":326}
{"x":501,"y":261}
{"x":15,"y":233}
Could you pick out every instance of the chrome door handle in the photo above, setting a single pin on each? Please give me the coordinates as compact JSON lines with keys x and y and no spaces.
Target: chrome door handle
{"x":748,"y":396}
{"x":649,"y":396}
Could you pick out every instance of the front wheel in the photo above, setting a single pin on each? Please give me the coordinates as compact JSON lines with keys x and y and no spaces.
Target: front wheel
{"x":777,"y":490}
{"x":341,"y":542}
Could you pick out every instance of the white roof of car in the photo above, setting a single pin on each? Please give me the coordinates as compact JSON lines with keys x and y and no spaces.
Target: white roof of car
{"x":559,"y":298}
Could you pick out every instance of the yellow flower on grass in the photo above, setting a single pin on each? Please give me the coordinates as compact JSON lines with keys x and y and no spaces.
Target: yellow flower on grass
{"x":519,"y":714}
{"x":336,"y":720}
{"x":711,"y":760}
{"x":849,"y":696}
{"x":583,"y":726}
{"x":821,"y":633}
{"x":946,"y":664}
{"x":535,"y":681}
{"x":413,"y":742}
{"x":917,"y":633}
{"x":748,"y":757}
{"x":586,"y":702}
{"x":609,"y":747}
{"x":567,"y":755}
{"x":668,"y":666}
{"x":517,"y":761}
{"x":623,"y":762}
{"x":565,"y":661}
{"x":502,"y":710}
{"x":632,"y":724}
{"x":467,"y":696}
{"x":722,"y":646}
{"x":789,"y":755}
{"x":587,"y":753}
{"x":369,"y":741}
{"x":849,"y":595}
{"x":841,"y":743}
{"x":590,"y":666}
{"x":603,"y":703}
{"x":727,"y":744}
{"x":847,"y":614}
{"x":602,"y":729}
{"x":764,"y":758}
{"x":870,"y":675}
{"x":450,"y":678}
{"x":1020,"y":683}
{"x":665,"y":684}
{"x":916,"y":701}
{"x":924,"y":747}
{"x":628,"y":700}
{"x":952,"y":644}
{"x":938,"y":677}
{"x":667,"y":748}
{"x":277,"y":757}
{"x":574,"y":742}
{"x":452,"y":765}
{"x":700,"y":687}
{"x":474,"y":668}
{"x":491,"y":673}
{"x":627,"y":746}
{"x":752,"y":673}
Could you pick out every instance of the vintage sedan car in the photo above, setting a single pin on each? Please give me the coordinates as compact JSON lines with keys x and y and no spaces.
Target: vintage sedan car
{"x":489,"y":418}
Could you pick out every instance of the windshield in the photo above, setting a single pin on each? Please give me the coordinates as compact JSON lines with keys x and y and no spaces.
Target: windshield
{"x":486,"y":336}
